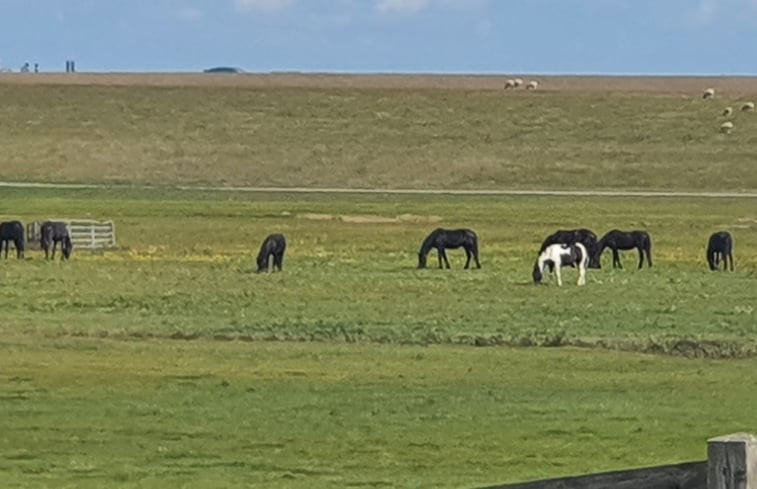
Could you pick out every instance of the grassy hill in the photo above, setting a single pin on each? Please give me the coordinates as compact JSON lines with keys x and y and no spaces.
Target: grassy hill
{"x":378,"y":132}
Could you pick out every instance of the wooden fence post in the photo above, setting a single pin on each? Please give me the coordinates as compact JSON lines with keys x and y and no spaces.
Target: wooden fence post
{"x":732,"y":462}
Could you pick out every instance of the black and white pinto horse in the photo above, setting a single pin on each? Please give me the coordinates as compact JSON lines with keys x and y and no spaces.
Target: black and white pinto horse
{"x":572,"y":236}
{"x":720,"y":247}
{"x":12,"y":231}
{"x":52,"y":233}
{"x":561,"y":255}
{"x":443,"y":239}
{"x":625,"y":240}
{"x":273,"y":248}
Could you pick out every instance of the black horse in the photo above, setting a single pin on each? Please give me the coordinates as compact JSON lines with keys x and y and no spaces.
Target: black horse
{"x":12,"y":231}
{"x":52,"y":233}
{"x":443,"y":239}
{"x":720,"y":247}
{"x":625,"y":240}
{"x":572,"y":236}
{"x":273,"y":246}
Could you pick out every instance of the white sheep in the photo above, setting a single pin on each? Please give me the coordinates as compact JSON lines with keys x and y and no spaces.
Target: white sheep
{"x":518,"y":82}
{"x":509,"y":84}
{"x":532,"y":85}
{"x":727,"y":111}
{"x":726,"y":127}
{"x":747,"y":106}
{"x":709,"y":93}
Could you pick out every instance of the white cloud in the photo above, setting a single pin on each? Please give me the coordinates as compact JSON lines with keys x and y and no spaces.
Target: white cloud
{"x":707,"y":13}
{"x":401,"y":6}
{"x":413,"y":6}
{"x":703,"y":13}
{"x":190,"y":14}
{"x":262,"y":4}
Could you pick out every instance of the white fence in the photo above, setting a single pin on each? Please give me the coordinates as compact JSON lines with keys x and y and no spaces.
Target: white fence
{"x":85,"y":234}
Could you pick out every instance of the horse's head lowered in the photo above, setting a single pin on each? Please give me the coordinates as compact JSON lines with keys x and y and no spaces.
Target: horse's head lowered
{"x":537,"y":274}
{"x":67,"y":247}
{"x":595,"y":256}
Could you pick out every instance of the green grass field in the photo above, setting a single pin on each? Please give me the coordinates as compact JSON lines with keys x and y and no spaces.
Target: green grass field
{"x":187,"y":263}
{"x":169,"y":362}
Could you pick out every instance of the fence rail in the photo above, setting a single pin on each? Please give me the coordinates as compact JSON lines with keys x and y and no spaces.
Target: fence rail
{"x":85,"y":234}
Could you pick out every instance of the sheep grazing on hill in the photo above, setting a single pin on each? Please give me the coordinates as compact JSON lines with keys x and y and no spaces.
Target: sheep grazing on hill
{"x":532,"y":85}
{"x":727,"y":111}
{"x":509,"y":84}
{"x":518,"y":82}
{"x":726,"y":127}
{"x":747,"y":106}
{"x":709,"y":93}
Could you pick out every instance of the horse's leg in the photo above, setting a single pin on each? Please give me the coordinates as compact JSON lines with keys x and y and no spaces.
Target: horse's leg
{"x":641,"y":257}
{"x":467,"y":258}
{"x":439,"y":252}
{"x":557,"y":274}
{"x":55,"y":245}
{"x":649,"y":255}
{"x":731,"y":257}
{"x":444,"y":256}
{"x":616,"y":259}
{"x":581,"y":274}
{"x":6,"y":248}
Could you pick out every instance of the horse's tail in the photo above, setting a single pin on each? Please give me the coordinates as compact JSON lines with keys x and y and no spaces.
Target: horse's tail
{"x":20,"y":237}
{"x":43,"y":235}
{"x":474,"y":242}
{"x":583,"y":261}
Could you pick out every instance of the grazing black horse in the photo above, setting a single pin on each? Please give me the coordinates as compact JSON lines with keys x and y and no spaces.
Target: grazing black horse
{"x":12,"y":231}
{"x":572,"y":236}
{"x":625,"y":240}
{"x":720,"y":247}
{"x":52,"y":233}
{"x":443,"y":239}
{"x":273,"y":246}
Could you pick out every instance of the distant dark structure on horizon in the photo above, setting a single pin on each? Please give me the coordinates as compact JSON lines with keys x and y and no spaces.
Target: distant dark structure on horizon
{"x":224,"y":69}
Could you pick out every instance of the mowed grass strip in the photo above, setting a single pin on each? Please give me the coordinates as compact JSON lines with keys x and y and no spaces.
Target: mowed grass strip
{"x":186,"y":269}
{"x":99,"y":413}
{"x":373,"y":137}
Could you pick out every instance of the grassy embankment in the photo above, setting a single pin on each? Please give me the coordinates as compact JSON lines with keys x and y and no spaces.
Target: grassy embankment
{"x":374,"y":138}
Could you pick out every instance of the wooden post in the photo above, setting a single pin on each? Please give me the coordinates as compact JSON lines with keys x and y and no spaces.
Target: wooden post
{"x":732,"y":462}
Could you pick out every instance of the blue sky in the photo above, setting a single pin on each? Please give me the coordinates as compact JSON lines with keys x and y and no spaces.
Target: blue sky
{"x":440,"y":36}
